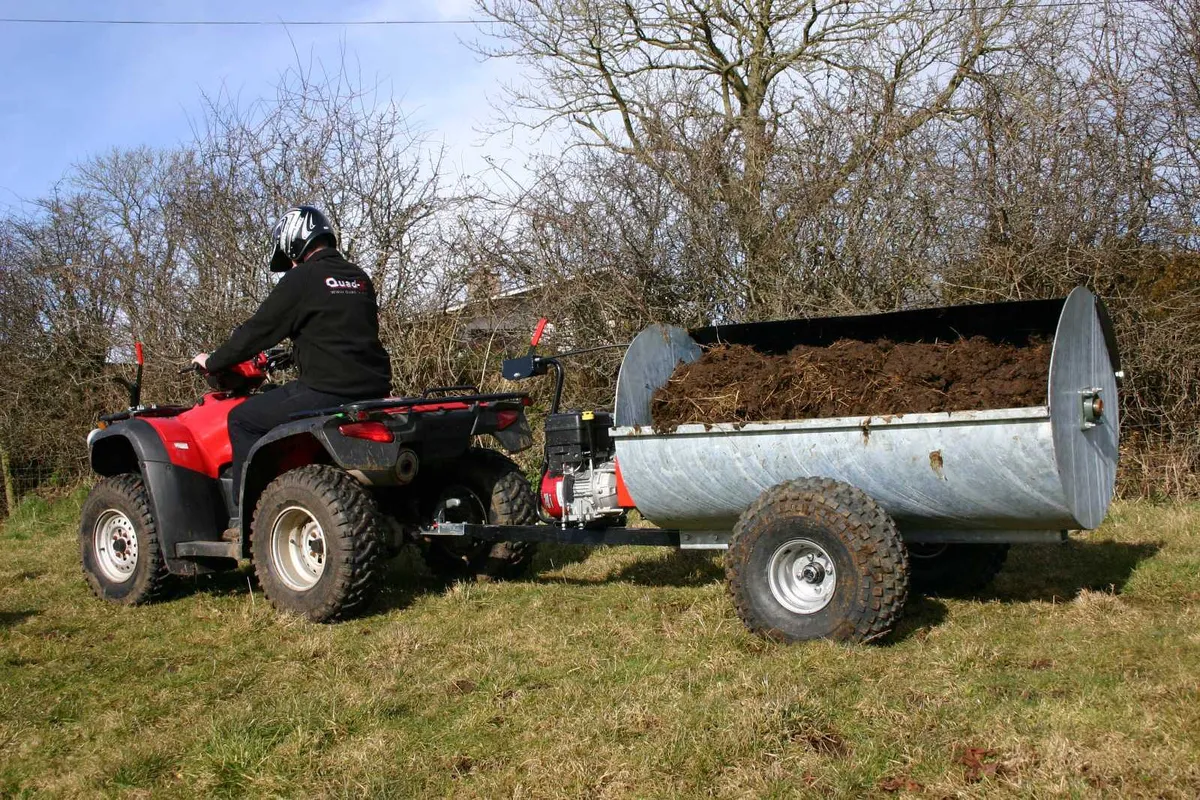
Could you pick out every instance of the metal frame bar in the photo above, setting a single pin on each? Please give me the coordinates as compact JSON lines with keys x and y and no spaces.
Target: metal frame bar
{"x":982,"y":537}
{"x":648,"y":537}
{"x":705,"y":540}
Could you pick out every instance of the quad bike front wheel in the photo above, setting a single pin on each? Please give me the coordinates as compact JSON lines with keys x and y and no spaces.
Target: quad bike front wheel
{"x":485,"y":487}
{"x":119,"y":544}
{"x":316,"y":544}
{"x":817,"y":559}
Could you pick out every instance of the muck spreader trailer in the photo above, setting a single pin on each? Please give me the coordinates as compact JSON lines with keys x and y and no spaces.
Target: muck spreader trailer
{"x":825,"y":521}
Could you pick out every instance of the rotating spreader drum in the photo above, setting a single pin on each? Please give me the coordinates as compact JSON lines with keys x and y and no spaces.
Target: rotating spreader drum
{"x":827,"y":521}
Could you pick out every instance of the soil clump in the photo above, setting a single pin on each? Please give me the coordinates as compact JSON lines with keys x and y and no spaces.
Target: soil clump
{"x":736,"y":383}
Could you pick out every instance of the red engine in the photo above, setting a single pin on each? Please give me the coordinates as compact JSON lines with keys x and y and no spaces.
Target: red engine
{"x":582,"y":482}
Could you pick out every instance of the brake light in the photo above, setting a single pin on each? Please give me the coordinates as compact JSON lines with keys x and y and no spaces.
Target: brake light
{"x":506,"y":417}
{"x":371,"y":431}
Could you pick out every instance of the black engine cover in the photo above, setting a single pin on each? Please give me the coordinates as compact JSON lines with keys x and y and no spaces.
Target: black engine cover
{"x":573,"y":437}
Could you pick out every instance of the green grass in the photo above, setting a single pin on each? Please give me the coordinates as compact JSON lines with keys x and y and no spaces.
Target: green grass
{"x":612,"y":673}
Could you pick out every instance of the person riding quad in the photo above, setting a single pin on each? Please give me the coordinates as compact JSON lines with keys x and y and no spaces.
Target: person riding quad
{"x":327,"y":307}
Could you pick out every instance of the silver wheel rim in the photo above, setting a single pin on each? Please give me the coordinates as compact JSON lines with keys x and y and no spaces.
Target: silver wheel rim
{"x":802,"y":576}
{"x":115,"y":545}
{"x":298,"y":550}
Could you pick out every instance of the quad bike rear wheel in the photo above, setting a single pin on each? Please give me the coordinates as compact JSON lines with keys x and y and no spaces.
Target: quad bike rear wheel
{"x":118,"y":542}
{"x":316,"y":544}
{"x":484,"y":487}
{"x":817,"y":559}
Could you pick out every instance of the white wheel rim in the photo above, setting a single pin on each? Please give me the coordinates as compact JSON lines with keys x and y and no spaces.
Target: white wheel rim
{"x":115,"y":545}
{"x":298,"y":550}
{"x":802,"y":576}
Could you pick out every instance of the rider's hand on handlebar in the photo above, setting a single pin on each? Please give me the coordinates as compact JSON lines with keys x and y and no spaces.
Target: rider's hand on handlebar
{"x":201,"y":362}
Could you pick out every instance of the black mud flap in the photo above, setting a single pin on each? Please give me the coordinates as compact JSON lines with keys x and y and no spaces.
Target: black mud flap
{"x":516,"y":437}
{"x":188,"y":508}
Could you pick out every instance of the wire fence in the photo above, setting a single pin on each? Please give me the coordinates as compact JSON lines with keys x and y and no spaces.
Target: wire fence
{"x":23,"y":480}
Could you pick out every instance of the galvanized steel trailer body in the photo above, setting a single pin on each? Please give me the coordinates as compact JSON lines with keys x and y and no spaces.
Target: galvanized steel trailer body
{"x":969,"y":476}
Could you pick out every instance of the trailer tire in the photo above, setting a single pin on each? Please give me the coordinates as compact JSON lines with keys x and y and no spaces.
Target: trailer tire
{"x":955,"y":570}
{"x":504,"y":497}
{"x":117,"y":513}
{"x":316,"y":544}
{"x":817,"y":559}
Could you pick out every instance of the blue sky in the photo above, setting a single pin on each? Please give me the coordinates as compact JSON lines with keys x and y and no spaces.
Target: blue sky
{"x":72,"y":91}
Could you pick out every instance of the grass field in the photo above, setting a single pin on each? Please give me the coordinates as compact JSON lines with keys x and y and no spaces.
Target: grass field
{"x":611,"y":673}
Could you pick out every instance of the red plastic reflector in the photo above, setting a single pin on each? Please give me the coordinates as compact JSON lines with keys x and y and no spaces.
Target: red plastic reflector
{"x":551,"y":495}
{"x":506,"y":418}
{"x":137,"y":349}
{"x":371,"y":431}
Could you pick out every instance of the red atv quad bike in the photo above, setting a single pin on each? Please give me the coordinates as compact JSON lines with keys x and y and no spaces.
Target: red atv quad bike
{"x":325,"y":498}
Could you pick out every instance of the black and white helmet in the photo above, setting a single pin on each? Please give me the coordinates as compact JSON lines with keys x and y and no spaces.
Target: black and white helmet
{"x":294,"y":234}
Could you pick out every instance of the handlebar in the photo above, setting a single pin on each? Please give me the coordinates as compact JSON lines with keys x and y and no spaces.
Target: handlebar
{"x":267,"y":361}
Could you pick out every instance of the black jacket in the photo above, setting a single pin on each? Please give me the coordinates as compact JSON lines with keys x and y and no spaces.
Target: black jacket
{"x":327,"y":307}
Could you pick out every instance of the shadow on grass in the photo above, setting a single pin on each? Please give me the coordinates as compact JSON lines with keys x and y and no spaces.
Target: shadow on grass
{"x":9,"y":619}
{"x":230,"y":583}
{"x":1061,"y":571}
{"x":405,"y":578}
{"x":921,"y":614}
{"x":681,"y":568}
{"x":551,"y":556}
{"x":1032,"y":573}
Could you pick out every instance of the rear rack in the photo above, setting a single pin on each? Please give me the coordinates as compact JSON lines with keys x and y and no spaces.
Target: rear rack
{"x":435,"y":403}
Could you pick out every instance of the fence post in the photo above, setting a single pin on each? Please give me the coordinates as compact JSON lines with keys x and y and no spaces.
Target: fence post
{"x":10,"y":491}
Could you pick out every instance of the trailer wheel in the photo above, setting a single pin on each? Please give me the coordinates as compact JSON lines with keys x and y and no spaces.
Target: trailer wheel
{"x":817,"y":559}
{"x":316,"y":544}
{"x":955,"y":569}
{"x":485,"y":487}
{"x":118,"y":543}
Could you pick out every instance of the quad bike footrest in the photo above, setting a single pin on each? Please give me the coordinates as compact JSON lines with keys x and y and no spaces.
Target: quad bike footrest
{"x":208,"y":550}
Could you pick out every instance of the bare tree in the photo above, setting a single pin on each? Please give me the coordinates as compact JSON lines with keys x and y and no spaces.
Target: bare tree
{"x":759,"y":114}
